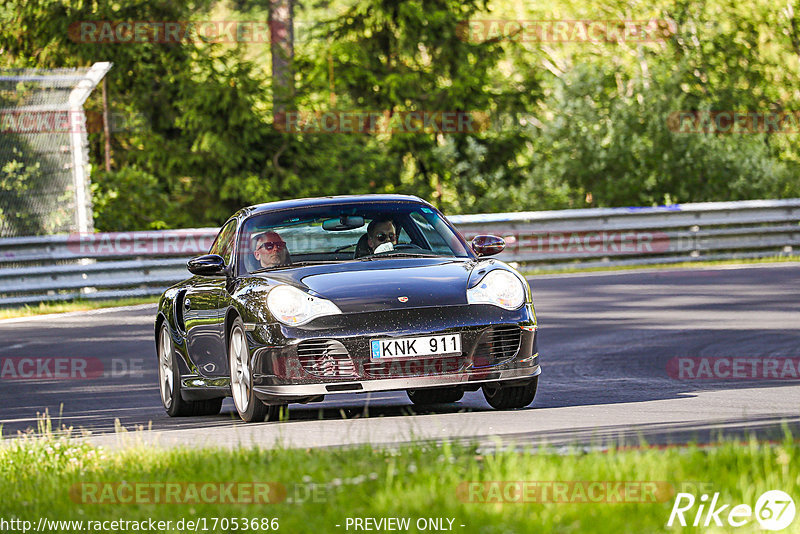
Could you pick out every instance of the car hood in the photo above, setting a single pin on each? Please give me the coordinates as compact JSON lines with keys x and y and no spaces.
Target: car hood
{"x":386,"y":284}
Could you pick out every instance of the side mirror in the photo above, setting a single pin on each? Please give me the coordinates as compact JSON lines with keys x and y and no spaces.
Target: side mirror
{"x":488,"y":245}
{"x":208,"y":265}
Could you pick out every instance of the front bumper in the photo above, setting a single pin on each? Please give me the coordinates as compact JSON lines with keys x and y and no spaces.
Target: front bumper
{"x":280,"y":374}
{"x":466,"y":380}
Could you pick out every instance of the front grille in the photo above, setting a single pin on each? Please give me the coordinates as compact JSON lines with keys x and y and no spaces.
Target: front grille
{"x":325,"y":357}
{"x":496,"y":345}
{"x":398,"y":368}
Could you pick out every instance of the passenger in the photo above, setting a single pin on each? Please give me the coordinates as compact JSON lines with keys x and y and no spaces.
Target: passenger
{"x":270,"y":250}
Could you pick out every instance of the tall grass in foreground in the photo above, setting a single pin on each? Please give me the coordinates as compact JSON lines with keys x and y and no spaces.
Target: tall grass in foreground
{"x":326,"y":486}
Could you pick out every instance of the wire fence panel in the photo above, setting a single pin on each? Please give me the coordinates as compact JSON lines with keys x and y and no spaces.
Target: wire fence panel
{"x":44,"y":166}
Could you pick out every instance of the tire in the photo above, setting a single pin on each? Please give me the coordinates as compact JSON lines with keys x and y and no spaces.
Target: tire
{"x":502,"y":397}
{"x":249,"y":407}
{"x":169,"y":378}
{"x":435,"y":395}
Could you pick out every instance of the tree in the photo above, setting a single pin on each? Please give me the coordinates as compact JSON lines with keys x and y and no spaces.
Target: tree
{"x":397,"y":57}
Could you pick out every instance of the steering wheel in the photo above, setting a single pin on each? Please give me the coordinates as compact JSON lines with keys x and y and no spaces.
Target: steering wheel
{"x":340,"y":249}
{"x":407,"y":246}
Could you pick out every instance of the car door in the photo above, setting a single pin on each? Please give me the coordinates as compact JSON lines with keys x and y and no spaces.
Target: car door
{"x":205,"y":328}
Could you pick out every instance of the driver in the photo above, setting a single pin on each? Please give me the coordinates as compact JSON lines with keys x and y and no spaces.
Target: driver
{"x":380,"y":231}
{"x":270,"y":250}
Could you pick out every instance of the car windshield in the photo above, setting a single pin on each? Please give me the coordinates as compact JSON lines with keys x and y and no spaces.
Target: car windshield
{"x":345,"y":232}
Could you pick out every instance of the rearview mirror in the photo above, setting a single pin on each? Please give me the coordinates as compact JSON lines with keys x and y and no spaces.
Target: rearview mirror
{"x":208,"y":265}
{"x":488,"y":245}
{"x":345,"y":222}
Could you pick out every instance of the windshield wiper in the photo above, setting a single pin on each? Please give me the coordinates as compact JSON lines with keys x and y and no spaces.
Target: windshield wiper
{"x":396,"y":254}
{"x":296,"y":264}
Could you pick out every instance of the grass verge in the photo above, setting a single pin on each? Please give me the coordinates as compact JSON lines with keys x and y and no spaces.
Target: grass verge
{"x":71,"y":306}
{"x":685,"y":264}
{"x":317,"y":489}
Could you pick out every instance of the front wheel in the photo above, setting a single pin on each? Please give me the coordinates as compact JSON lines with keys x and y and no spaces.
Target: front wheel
{"x":509,"y":397}
{"x":250,"y":408}
{"x":169,"y":378}
{"x":435,"y":395}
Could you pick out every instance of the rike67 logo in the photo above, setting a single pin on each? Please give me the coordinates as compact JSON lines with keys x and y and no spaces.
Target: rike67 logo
{"x":774,"y":510}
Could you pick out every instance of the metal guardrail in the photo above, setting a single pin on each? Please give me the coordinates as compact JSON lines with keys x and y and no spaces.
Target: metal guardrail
{"x":114,"y":265}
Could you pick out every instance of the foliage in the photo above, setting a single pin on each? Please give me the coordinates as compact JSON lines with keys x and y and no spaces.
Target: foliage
{"x":316,"y":489}
{"x":19,"y":173}
{"x":570,"y":124}
{"x":129,"y":199}
{"x":626,"y":151}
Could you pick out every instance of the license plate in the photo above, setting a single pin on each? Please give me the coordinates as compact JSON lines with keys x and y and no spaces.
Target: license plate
{"x":415,"y":347}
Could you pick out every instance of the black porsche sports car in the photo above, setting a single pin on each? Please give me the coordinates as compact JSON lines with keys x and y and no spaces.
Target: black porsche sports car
{"x":305,"y":298}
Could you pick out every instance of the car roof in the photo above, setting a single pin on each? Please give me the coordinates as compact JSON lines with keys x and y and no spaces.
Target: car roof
{"x":322,"y":201}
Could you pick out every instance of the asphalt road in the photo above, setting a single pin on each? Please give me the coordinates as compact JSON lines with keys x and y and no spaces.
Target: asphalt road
{"x":606,"y":341}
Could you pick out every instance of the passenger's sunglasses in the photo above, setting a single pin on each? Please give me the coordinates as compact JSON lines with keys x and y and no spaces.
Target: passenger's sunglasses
{"x":269,"y":245}
{"x":385,"y":237}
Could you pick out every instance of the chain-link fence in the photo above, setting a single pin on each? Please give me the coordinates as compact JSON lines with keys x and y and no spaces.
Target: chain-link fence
{"x":44,"y":167}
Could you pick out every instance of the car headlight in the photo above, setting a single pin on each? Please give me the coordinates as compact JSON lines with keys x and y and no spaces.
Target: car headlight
{"x":500,"y":288}
{"x":293,"y":307}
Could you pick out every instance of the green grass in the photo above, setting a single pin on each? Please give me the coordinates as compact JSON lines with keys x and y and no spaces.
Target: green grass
{"x":685,"y":264}
{"x":326,"y":486}
{"x":75,"y":305}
